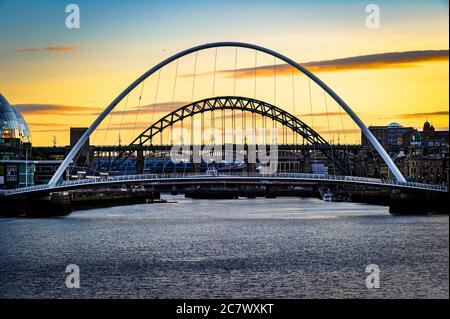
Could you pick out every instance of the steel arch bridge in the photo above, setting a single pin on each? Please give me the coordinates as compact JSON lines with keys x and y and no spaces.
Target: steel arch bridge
{"x":77,"y":147}
{"x":243,"y":104}
{"x":238,"y":103}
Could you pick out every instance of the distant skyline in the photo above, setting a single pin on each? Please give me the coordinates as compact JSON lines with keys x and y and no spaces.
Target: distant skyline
{"x":59,"y":77}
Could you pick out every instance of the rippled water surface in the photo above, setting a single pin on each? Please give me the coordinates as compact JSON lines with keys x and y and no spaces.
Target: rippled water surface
{"x":264,"y":248}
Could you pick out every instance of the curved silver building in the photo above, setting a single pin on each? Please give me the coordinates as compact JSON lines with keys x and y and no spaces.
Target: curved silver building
{"x":15,"y":138}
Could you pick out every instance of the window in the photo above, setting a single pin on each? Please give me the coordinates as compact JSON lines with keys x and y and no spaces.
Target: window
{"x":11,"y":169}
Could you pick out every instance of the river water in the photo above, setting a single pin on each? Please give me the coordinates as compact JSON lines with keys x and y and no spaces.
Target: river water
{"x":246,"y":248}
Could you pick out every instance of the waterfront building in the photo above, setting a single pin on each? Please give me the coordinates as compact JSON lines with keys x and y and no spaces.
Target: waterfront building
{"x":15,"y":138}
{"x":391,"y":137}
{"x":421,"y":156}
{"x":17,"y":166}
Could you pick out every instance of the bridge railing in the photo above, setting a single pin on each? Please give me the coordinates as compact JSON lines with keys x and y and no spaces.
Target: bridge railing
{"x":25,"y":189}
{"x":149,"y":177}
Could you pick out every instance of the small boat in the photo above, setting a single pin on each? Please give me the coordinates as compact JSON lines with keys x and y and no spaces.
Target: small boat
{"x":328,"y":197}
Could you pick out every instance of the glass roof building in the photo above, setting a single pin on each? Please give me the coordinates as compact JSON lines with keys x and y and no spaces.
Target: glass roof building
{"x":15,"y":138}
{"x":24,"y":131}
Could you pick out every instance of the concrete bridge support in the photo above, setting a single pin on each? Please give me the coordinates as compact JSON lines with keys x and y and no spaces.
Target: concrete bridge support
{"x":41,"y":205}
{"x":415,"y":203}
{"x":140,"y":162}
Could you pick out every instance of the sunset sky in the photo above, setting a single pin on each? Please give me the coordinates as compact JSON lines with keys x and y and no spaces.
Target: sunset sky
{"x":59,"y":77}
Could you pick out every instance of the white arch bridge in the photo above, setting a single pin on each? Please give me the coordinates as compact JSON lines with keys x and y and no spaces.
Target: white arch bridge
{"x":57,"y":183}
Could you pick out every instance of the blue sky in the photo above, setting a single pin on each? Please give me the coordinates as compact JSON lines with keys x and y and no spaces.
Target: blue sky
{"x":34,"y":23}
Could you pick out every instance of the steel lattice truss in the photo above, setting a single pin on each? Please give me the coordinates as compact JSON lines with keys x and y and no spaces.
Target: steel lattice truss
{"x":231,"y":103}
{"x":242,"y":104}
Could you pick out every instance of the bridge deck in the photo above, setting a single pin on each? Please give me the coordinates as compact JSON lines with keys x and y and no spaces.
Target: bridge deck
{"x":236,"y":177}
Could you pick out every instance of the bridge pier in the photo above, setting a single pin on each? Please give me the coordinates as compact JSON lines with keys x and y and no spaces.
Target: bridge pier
{"x":251,"y":167}
{"x":62,"y":203}
{"x":196,"y":167}
{"x":418,"y":203}
{"x":43,"y":205}
{"x":212,"y":192}
{"x":270,"y":192}
{"x":140,"y":162}
{"x":251,"y":191}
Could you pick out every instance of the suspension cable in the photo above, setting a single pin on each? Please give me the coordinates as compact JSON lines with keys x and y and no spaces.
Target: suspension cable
{"x":243,"y":127}
{"x":121,"y":121}
{"x":154,"y":104}
{"x":345,"y":142}
{"x":212,"y":118}
{"x":103,"y":143}
{"x":256,"y":63}
{"x":311,"y":112}
{"x":173,"y":97}
{"x":93,"y":141}
{"x":135,"y":121}
{"x":329,"y":132}
{"x":294,"y":136}
{"x":274,"y":82}
{"x":192,"y":100}
{"x":233,"y":111}
{"x":358,"y":142}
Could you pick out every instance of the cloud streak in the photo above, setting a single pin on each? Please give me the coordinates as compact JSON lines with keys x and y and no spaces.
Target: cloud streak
{"x":48,"y":124}
{"x":422,"y":115}
{"x":161,"y":107}
{"x":159,"y":110}
{"x":425,"y":114}
{"x":340,"y":132}
{"x":70,"y":110}
{"x":56,"y":109}
{"x":378,"y":61}
{"x":321,"y":114}
{"x":50,"y":48}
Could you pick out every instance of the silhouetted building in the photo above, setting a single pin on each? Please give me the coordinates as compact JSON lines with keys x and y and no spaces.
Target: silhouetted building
{"x":391,"y":137}
{"x":82,"y":158}
{"x":421,"y":156}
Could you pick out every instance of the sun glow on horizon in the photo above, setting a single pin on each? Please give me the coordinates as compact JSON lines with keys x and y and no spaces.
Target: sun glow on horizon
{"x":65,"y":79}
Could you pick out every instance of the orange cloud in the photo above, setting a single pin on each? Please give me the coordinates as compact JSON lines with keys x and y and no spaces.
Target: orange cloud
{"x":345,"y":131}
{"x":51,"y":48}
{"x":48,"y":124}
{"x":162,"y":107}
{"x":363,"y":62}
{"x":421,"y":115}
{"x":321,"y":114}
{"x":56,"y":109}
{"x":127,"y":126}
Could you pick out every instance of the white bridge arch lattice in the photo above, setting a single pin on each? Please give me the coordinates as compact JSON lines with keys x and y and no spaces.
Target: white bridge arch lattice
{"x":372,"y":139}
